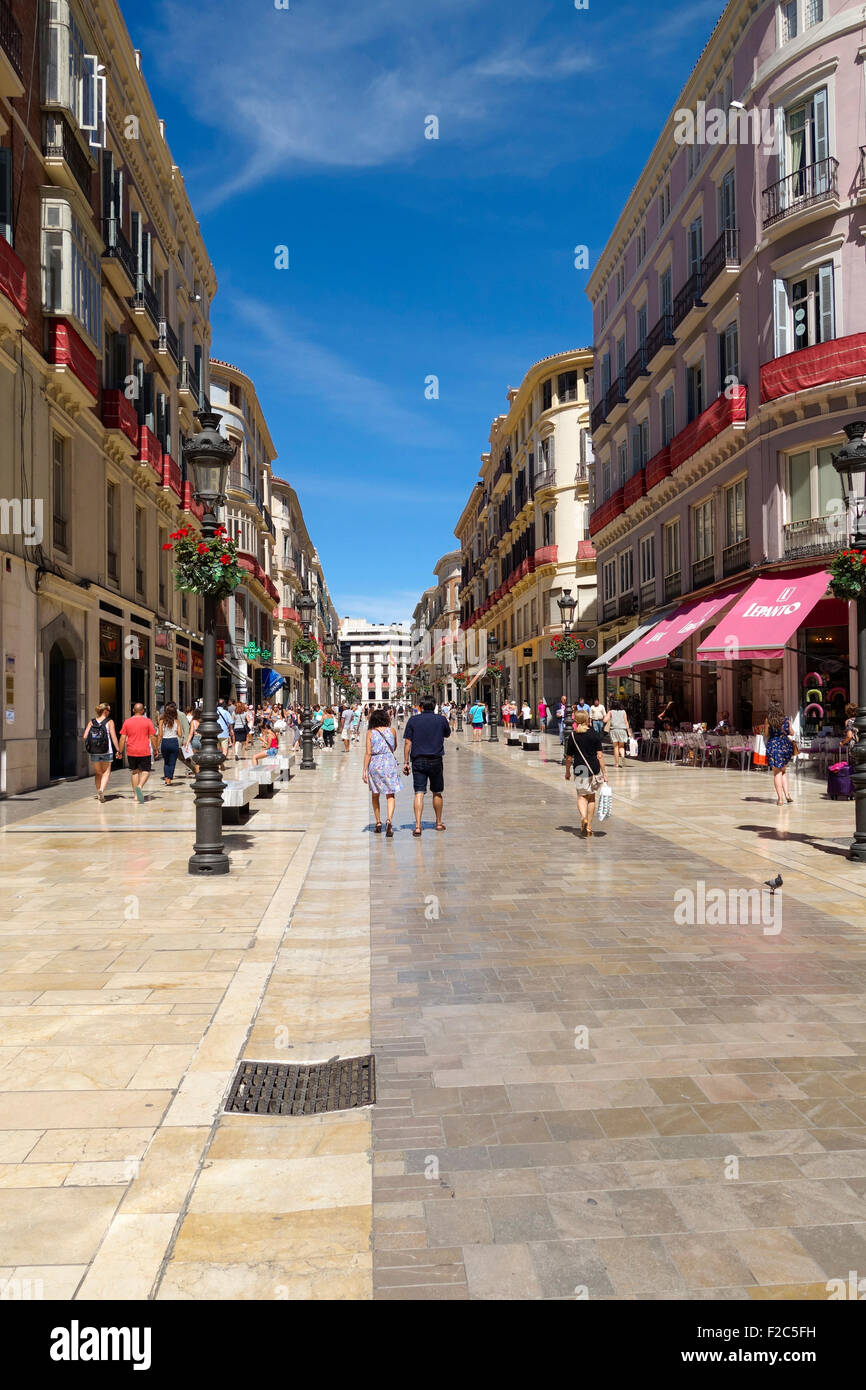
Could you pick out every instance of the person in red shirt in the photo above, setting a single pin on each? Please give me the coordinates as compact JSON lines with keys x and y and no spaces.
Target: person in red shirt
{"x":139,"y":737}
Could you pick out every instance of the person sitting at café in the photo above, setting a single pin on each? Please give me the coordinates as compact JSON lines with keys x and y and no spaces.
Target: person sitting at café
{"x":724,"y":724}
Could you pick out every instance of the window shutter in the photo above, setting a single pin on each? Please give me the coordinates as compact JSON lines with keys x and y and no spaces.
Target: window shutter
{"x":6,"y":195}
{"x":819,"y":103}
{"x":826,"y":309}
{"x":780,"y":314}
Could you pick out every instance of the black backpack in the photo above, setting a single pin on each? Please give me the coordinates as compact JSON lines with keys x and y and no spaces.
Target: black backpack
{"x":97,"y":740}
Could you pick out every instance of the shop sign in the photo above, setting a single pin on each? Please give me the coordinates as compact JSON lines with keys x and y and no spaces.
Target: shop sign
{"x":182,"y":659}
{"x":197,"y":664}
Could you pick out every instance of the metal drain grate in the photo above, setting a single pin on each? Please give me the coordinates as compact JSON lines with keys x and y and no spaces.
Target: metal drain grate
{"x":270,"y":1088}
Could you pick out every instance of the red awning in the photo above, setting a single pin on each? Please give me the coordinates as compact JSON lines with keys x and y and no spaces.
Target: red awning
{"x":652,"y":651}
{"x":766,"y":616}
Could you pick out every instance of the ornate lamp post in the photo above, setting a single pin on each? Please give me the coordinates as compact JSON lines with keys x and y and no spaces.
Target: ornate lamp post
{"x":492,"y":645}
{"x":850,"y":464}
{"x":306,"y":611}
{"x":207,"y":456}
{"x":460,"y":683}
{"x":566,"y":606}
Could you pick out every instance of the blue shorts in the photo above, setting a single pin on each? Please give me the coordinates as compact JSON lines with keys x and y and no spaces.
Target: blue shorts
{"x":428,"y":769}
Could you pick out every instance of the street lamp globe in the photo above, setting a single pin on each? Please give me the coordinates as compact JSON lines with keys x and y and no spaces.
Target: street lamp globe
{"x":208,"y":455}
{"x":566,"y":606}
{"x":306,"y":610}
{"x":850,"y":464}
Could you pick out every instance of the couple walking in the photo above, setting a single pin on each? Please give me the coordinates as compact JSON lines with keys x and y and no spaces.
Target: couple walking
{"x":423,"y":750}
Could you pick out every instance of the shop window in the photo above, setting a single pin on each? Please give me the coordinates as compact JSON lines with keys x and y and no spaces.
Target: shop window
{"x":813,"y":485}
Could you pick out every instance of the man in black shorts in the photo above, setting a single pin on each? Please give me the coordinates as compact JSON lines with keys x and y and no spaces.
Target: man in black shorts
{"x":424,"y":745}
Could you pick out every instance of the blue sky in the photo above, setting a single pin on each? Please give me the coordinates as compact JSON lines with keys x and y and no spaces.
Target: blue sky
{"x":409,"y":257}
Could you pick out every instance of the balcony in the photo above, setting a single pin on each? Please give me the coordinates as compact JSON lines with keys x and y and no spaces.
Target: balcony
{"x":545,"y":477}
{"x":11,"y":59}
{"x":673,"y":585}
{"x":648,"y":595}
{"x":615,"y":394}
{"x":735,"y":557}
{"x":13,"y":282}
{"x":65,"y":158}
{"x":188,"y":386}
{"x":167,"y":344}
{"x":268,"y":520}
{"x":840,"y":359}
{"x":634,"y":488}
{"x":724,"y":254}
{"x":118,"y":414}
{"x":73,"y":362}
{"x":607,"y":512}
{"x":119,"y":261}
{"x":288,"y":615}
{"x":171,"y":475}
{"x":597,"y":417}
{"x":546,"y":555}
{"x":502,"y":474}
{"x":189,"y":503}
{"x":661,"y":335}
{"x":626,"y":605}
{"x":861,"y":172}
{"x":703,"y":571}
{"x":806,"y":188}
{"x":636,"y":366}
{"x":658,"y":467}
{"x":725,"y":411}
{"x":820,"y":535}
{"x":150,"y":450}
{"x":241,"y":482}
{"x":609,"y":609}
{"x":145,"y":300}
{"x":688,"y":298}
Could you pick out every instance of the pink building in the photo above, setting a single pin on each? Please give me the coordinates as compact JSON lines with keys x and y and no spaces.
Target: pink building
{"x":730,"y":329}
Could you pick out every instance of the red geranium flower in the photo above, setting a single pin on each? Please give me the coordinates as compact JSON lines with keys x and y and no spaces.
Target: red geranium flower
{"x":202,"y":549}
{"x":225,"y":559}
{"x":168,"y":546}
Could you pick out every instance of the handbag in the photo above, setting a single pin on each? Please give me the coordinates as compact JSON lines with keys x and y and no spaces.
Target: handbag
{"x":605,"y":801}
{"x":596,"y":780}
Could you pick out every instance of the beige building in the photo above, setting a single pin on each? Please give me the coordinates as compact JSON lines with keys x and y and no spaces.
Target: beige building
{"x":436,"y":641}
{"x":524,"y":534}
{"x":297,"y":567}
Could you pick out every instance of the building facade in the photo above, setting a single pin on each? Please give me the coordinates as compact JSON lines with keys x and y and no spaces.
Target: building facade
{"x":437,"y":647}
{"x":105,"y":292}
{"x":729,"y":315}
{"x":524,"y":532}
{"x":378,"y":656}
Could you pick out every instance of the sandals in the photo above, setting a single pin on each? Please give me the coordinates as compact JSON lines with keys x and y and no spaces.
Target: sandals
{"x":389,"y":831}
{"x":440,"y":827}
{"x":416,"y":834}
{"x":377,"y":829}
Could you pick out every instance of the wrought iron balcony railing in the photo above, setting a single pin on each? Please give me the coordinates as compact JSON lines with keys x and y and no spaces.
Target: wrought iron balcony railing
{"x":10,"y":39}
{"x":812,"y":184}
{"x":117,"y":246}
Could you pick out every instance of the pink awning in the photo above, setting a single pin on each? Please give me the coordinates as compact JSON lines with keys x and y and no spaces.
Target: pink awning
{"x":652,"y":651}
{"x":765,"y":617}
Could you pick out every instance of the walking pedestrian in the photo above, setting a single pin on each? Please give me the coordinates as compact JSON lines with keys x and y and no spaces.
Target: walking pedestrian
{"x":583,"y":748}
{"x":138,"y":735}
{"x":780,"y":750}
{"x":477,"y":713}
{"x":100,"y":741}
{"x":356,"y":723}
{"x":619,"y":730}
{"x":526,"y":716}
{"x":381,"y":771}
{"x":542,"y":714}
{"x":226,"y":727}
{"x":169,"y":741}
{"x":240,"y":728}
{"x":598,"y":714}
{"x":424,"y":748}
{"x":329,"y":727}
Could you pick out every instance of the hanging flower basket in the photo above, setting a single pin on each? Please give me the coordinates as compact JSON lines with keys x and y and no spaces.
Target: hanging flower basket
{"x":460,"y":679}
{"x":305,"y":650}
{"x":205,"y":567}
{"x":564,"y":648}
{"x":848,"y":574}
{"x":495,"y":670}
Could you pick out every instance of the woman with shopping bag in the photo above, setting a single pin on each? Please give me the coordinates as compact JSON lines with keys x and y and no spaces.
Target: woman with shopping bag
{"x":583,"y":749}
{"x":619,"y":730}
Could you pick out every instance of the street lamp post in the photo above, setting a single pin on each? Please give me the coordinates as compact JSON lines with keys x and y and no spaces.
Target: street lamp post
{"x":207,"y":456}
{"x":492,"y":645}
{"x":850,"y":464}
{"x":566,"y":606}
{"x":306,"y":611}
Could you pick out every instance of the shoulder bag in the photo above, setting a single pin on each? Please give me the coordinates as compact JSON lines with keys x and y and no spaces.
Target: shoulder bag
{"x":596,"y":779}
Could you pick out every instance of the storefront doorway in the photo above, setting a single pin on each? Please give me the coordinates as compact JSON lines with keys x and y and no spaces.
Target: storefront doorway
{"x":139,"y":671}
{"x":111,"y":669}
{"x":62,"y":712}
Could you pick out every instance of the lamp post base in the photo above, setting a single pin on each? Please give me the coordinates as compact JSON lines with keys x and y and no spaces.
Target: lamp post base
{"x":209,"y":864}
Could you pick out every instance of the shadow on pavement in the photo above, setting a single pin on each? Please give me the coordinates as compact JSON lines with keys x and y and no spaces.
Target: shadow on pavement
{"x":764,"y":832}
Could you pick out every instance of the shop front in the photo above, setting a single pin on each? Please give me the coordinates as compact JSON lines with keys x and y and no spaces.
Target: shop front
{"x":182,"y":665}
{"x":139,"y":671}
{"x":111,"y":669}
{"x":163,"y":666}
{"x":196,"y":661}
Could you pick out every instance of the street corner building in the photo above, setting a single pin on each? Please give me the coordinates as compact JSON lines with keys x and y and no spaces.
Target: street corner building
{"x":105,"y":295}
{"x":524,"y":533}
{"x":729,"y":310}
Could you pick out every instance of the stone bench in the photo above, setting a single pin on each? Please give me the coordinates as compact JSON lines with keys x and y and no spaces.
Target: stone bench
{"x":286,"y":762}
{"x":263,"y":776}
{"x":531,"y":743}
{"x":514,"y":740}
{"x":237,"y":796}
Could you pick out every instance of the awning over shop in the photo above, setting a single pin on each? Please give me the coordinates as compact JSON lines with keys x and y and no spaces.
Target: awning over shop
{"x":233,"y":669}
{"x":608,"y":657}
{"x":652,"y":651}
{"x":765,"y":617}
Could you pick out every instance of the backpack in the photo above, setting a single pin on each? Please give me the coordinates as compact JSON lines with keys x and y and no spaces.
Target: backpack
{"x":97,"y":740}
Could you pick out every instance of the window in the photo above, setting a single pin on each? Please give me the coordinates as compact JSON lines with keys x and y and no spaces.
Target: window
{"x":608,"y":576}
{"x":671,"y":548}
{"x":70,"y":74}
{"x":620,"y":281}
{"x":727,"y":202}
{"x":729,"y":355}
{"x":704,"y":530}
{"x":547,"y":528}
{"x":647,"y":560}
{"x":566,"y":386}
{"x":605,"y":480}
{"x":736,"y":524}
{"x":139,"y":551}
{"x":664,"y":205}
{"x":695,"y":390}
{"x":234,"y":395}
{"x":814,"y":12}
{"x":111,"y":529}
{"x":666,"y":295}
{"x":6,"y":195}
{"x":640,"y":322}
{"x":547,"y":394}
{"x":667,"y":416}
{"x":163,"y":569}
{"x":789,"y":20}
{"x":639,"y":445}
{"x":60,"y":491}
{"x":605,"y":375}
{"x":804,"y":148}
{"x":695,"y":245}
{"x":71,"y":272}
{"x":622,"y":461}
{"x":814,"y":488}
{"x":626,"y":571}
{"x":805,"y":310}
{"x":602,"y":310}
{"x":640,"y":244}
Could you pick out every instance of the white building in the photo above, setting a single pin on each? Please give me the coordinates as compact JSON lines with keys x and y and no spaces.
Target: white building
{"x":378,"y":656}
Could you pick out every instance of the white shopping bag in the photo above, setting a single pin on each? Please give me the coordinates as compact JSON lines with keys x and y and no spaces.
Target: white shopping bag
{"x":632,"y":747}
{"x":605,"y":801}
